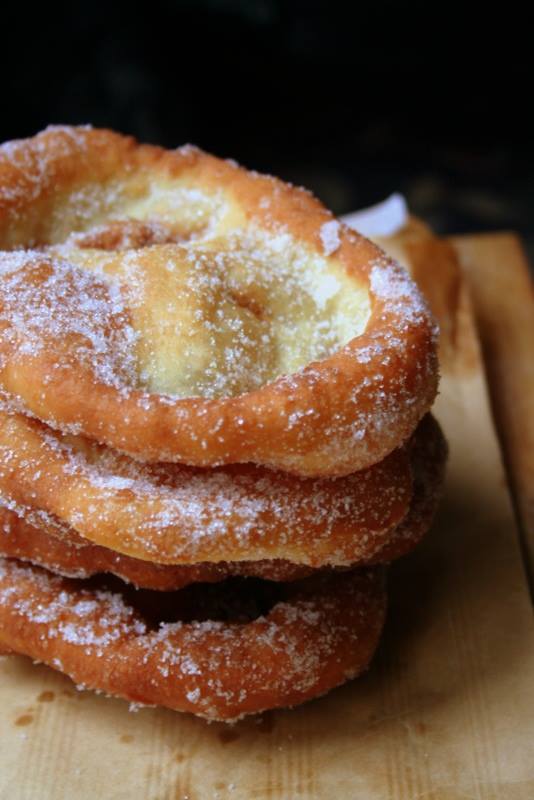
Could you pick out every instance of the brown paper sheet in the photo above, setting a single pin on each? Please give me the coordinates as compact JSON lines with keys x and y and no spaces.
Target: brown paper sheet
{"x":445,"y":713}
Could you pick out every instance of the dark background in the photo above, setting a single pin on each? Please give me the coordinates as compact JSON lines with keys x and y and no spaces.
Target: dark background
{"x":353,"y":100}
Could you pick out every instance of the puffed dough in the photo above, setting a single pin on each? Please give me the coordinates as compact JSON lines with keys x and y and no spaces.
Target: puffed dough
{"x":65,"y":552}
{"x":175,"y":514}
{"x":177,"y":307}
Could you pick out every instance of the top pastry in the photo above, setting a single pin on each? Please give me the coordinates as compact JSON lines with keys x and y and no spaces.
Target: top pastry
{"x":177,"y":307}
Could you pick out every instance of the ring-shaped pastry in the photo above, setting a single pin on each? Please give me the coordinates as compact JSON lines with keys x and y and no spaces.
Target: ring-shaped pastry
{"x":177,"y":307}
{"x":324,"y":631}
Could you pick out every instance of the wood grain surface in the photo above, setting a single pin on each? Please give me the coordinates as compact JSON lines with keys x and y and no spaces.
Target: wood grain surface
{"x":503,"y":297}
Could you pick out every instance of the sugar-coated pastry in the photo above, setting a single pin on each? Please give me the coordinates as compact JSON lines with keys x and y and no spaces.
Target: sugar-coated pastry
{"x":177,"y":307}
{"x":323,"y":631}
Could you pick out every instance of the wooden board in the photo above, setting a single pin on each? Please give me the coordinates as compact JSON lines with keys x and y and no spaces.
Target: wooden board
{"x":503,"y":295}
{"x":445,"y":713}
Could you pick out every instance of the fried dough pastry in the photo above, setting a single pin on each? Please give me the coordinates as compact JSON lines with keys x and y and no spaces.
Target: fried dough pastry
{"x":179,"y":308}
{"x":434,"y":265}
{"x":174,"y":514}
{"x":70,"y":555}
{"x":321,"y":632}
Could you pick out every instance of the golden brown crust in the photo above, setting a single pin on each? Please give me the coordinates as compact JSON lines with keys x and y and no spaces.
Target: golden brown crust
{"x":428,"y":456}
{"x":324,"y":632}
{"x":71,"y":555}
{"x":332,"y":417}
{"x":171,"y":307}
{"x":182,"y":515}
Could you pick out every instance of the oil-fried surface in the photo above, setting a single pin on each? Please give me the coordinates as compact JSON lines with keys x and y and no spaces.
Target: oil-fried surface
{"x":180,"y":515}
{"x":179,"y":308}
{"x":62,"y":550}
{"x":322,"y":632}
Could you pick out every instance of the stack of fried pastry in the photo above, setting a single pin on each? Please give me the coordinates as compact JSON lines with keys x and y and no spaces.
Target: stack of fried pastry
{"x":214,"y":427}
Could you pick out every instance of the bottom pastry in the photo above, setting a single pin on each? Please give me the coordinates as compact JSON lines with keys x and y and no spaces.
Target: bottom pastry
{"x":220,"y":651}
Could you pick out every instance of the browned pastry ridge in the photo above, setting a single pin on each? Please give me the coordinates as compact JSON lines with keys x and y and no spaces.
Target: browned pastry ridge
{"x":328,"y":348}
{"x":182,"y":515}
{"x":64,"y":552}
{"x":71,"y":556}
